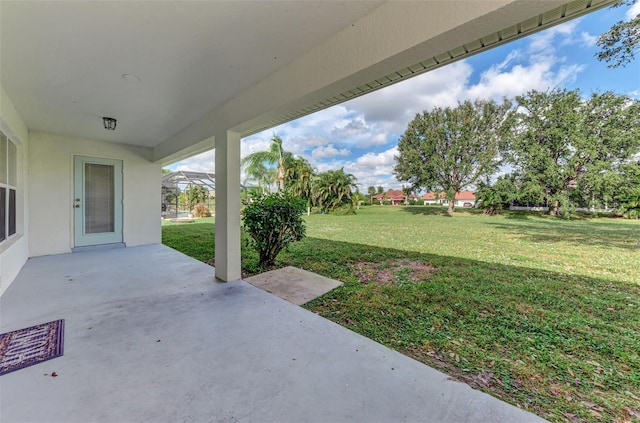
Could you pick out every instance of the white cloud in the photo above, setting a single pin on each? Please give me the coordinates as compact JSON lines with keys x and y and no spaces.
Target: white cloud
{"x":204,"y":162}
{"x":328,"y":151}
{"x":390,"y":109}
{"x":252,"y":145}
{"x":373,"y":168}
{"x":587,"y":39}
{"x":633,"y":11}
{"x":301,"y":145}
{"x":522,"y":78}
{"x":378,"y":139}
{"x":350,"y":128}
{"x":380,"y":163}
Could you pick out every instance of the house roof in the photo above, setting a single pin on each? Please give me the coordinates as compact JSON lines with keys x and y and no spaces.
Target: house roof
{"x":466,"y":195}
{"x":176,"y":73}
{"x":393,"y":194}
{"x":432,"y":196}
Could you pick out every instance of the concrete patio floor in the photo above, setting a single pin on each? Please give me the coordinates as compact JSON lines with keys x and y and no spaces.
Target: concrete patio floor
{"x":151,"y":336}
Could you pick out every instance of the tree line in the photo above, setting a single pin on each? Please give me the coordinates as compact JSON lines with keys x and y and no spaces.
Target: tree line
{"x":559,"y":150}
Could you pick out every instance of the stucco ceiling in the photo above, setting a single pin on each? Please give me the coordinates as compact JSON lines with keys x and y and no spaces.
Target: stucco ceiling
{"x":62,"y":61}
{"x":240,"y":65}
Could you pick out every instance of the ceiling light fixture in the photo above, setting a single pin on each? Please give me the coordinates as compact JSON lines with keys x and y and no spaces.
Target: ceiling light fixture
{"x":109,"y":123}
{"x":131,"y":78}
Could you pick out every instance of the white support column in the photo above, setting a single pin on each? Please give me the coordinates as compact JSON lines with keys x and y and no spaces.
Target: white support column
{"x":228,"y":206}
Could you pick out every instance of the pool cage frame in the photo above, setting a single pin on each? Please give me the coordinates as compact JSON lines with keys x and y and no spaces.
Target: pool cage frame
{"x":174,"y":183}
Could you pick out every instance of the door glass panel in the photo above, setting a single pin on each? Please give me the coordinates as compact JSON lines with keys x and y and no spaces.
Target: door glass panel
{"x":12,"y":212}
{"x":13,"y":164}
{"x":99,"y":196}
{"x":3,"y":159}
{"x":3,"y":210}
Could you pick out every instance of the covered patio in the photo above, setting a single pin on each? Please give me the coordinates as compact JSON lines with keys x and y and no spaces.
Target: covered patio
{"x":151,"y":336}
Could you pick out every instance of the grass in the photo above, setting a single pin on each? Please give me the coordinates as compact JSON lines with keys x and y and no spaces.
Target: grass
{"x":543,"y":313}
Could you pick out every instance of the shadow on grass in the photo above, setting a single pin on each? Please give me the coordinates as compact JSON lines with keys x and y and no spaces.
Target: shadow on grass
{"x":426,"y":210}
{"x":578,"y":232}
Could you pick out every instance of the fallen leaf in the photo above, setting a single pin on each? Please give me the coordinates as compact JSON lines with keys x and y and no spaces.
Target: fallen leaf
{"x":571,"y":372}
{"x":594,"y":413}
{"x":599,"y":385}
{"x":54,"y":374}
{"x":594,"y":363}
{"x":453,"y":341}
{"x":572,"y":417}
{"x":634,"y":412}
{"x":457,"y":358}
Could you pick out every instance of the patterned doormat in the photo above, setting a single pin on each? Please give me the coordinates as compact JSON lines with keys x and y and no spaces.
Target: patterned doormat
{"x":29,"y":346}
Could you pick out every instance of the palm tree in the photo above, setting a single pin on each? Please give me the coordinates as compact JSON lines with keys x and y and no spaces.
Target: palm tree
{"x":298,"y":174}
{"x":332,"y":189}
{"x":407,"y":191}
{"x":274,"y":156}
{"x":258,"y":172}
{"x":372,"y":192}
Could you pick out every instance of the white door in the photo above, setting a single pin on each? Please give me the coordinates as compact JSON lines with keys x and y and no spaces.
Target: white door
{"x":97,"y":201}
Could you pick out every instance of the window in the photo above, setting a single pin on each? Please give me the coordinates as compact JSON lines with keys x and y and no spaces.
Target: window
{"x":8,"y":187}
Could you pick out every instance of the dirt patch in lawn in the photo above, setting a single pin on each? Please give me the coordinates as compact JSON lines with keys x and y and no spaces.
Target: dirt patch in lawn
{"x":393,"y":272}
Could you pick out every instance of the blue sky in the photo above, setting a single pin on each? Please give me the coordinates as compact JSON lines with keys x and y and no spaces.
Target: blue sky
{"x":361,"y":135}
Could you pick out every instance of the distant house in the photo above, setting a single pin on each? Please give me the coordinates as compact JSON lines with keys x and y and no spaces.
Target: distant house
{"x":433,"y":198}
{"x":395,"y":196}
{"x":463,"y":199}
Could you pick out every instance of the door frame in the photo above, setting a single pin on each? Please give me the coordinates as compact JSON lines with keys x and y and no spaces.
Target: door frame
{"x":80,"y":238}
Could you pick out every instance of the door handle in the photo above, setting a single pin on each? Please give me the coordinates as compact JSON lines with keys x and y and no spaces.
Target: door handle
{"x":77,"y":206}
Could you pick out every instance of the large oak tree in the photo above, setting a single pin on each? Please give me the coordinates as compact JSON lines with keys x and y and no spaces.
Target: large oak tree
{"x":560,"y":141}
{"x":449,"y":149}
{"x":620,"y":44}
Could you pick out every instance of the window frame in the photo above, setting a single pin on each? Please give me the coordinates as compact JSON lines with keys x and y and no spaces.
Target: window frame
{"x":9,"y":186}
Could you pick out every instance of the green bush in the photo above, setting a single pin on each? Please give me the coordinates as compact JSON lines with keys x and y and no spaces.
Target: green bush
{"x":346,"y":209}
{"x":630,"y":207}
{"x":273,"y":221}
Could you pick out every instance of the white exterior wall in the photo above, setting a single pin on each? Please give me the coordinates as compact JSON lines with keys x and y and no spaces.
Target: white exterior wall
{"x":460,"y":203}
{"x":14,"y":251}
{"x":51,"y":191}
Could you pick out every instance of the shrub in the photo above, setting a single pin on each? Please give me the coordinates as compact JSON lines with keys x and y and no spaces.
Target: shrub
{"x":346,"y":209}
{"x":630,"y":207}
{"x":201,"y":210}
{"x":273,"y":221}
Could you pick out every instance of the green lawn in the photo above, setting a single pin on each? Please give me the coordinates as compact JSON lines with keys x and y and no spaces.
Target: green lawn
{"x":541,"y":312}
